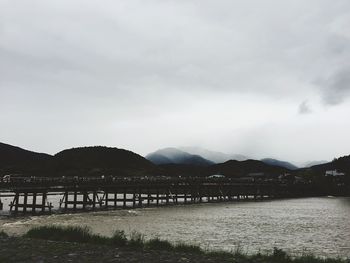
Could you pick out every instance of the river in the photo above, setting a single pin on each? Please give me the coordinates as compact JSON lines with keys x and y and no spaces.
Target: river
{"x":307,"y":225}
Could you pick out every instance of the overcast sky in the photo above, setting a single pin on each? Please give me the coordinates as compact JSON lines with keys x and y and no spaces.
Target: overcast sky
{"x":256,"y":77}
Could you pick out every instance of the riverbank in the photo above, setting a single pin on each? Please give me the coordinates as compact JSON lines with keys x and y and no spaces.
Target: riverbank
{"x":74,"y":244}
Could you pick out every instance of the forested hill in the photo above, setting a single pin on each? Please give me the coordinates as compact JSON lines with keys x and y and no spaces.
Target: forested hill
{"x":84,"y":161}
{"x":17,"y":160}
{"x":102,"y":160}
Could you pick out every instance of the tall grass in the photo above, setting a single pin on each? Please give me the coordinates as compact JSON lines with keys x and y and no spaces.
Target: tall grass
{"x":66,"y":233}
{"x":188,"y":248}
{"x":137,"y":241}
{"x":159,"y":244}
{"x":3,"y":234}
{"x":119,"y":238}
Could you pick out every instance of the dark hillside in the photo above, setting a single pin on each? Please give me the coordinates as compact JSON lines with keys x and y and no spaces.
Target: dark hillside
{"x":341,"y":164}
{"x":284,"y":164}
{"x":17,"y":160}
{"x":242,"y":168}
{"x":100,"y":160}
{"x":229,"y":169}
{"x":183,"y":170}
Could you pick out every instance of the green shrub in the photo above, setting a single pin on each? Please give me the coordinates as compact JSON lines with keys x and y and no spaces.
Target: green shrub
{"x":220,"y":254}
{"x":188,"y":248}
{"x":158,"y":244}
{"x":136,"y":240}
{"x":3,"y":234}
{"x":279,"y":255}
{"x":61,"y":233}
{"x":119,"y":238}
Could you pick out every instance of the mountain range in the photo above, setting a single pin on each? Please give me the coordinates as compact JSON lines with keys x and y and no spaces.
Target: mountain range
{"x":100,"y":160}
{"x":279,"y":163}
{"x":176,"y":156}
{"x":214,"y":156}
{"x":204,"y":157}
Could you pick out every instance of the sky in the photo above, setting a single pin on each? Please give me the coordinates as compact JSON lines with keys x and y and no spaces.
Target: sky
{"x":261,"y":78}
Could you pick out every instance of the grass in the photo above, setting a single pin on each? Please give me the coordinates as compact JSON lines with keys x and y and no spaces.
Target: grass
{"x":158,"y":244}
{"x":188,"y":248}
{"x":66,"y":233}
{"x":3,"y":234}
{"x":119,"y":238}
{"x":137,"y":241}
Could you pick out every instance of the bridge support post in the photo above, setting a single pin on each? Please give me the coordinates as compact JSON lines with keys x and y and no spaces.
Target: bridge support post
{"x":25,"y":199}
{"x":75,"y":200}
{"x":167,"y":197}
{"x":134,"y":199}
{"x":149,"y":196}
{"x":66,"y":196}
{"x":34,"y":202}
{"x":140,"y":197}
{"x":124,"y":199}
{"x":43,"y":200}
{"x":85,"y":196}
{"x":94,"y":197}
{"x":106,"y":199}
{"x":115,"y":199}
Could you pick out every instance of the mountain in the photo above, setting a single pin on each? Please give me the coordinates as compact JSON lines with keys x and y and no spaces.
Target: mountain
{"x":84,"y":161}
{"x":342,"y":164}
{"x":234,"y":168}
{"x":313,"y":163}
{"x":176,"y":156}
{"x":97,"y":160}
{"x":279,"y":163}
{"x":216,"y":157}
{"x":17,"y":160}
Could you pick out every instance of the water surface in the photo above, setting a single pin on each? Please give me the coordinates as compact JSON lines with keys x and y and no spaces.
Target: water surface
{"x":317,"y":225}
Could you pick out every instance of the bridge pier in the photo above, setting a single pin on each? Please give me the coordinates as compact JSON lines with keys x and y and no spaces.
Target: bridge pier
{"x":22,"y":205}
{"x":81,"y":200}
{"x":124,"y":199}
{"x":157,"y":197}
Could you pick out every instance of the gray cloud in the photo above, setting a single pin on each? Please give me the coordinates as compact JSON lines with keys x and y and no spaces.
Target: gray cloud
{"x":134,"y":73}
{"x":304,"y":107}
{"x":336,"y":88}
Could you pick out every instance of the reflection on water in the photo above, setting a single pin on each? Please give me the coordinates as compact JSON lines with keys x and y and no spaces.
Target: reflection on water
{"x":316,"y":225}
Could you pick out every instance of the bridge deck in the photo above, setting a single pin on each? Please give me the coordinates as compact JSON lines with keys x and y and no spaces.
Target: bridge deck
{"x":90,"y":194}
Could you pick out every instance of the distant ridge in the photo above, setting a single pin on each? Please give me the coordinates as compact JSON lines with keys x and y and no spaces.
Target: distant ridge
{"x":280,"y":163}
{"x":214,"y":156}
{"x":230,"y":168}
{"x":313,"y":163}
{"x":175,"y":156}
{"x":341,"y":164}
{"x":235,"y":168}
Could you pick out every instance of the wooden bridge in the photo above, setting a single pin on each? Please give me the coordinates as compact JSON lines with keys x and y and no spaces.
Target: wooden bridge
{"x":90,"y":194}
